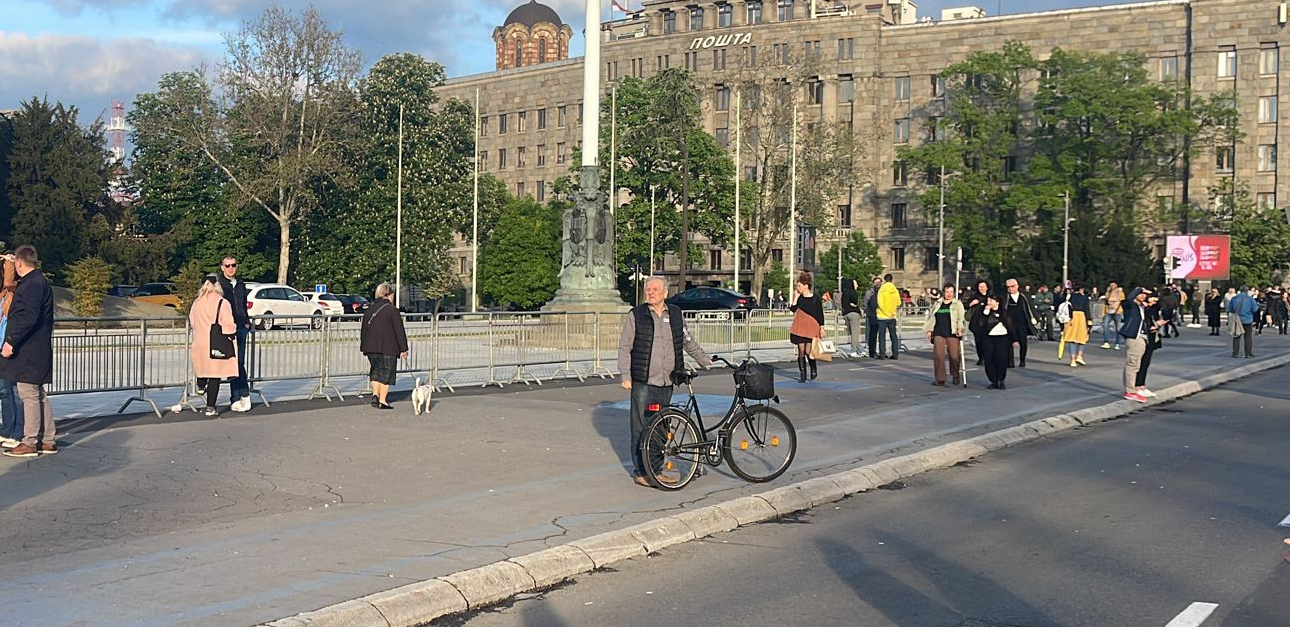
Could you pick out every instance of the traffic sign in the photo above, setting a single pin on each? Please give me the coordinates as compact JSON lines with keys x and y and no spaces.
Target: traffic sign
{"x":321,"y":288}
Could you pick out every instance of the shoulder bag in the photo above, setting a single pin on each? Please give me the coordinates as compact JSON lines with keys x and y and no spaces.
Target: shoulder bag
{"x":222,"y":346}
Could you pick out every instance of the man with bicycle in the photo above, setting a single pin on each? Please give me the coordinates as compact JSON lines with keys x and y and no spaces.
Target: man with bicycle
{"x":649,"y":353}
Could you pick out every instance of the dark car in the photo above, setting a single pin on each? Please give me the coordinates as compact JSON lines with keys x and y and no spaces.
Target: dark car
{"x":353,"y":303}
{"x":712,"y":298}
{"x":122,"y":291}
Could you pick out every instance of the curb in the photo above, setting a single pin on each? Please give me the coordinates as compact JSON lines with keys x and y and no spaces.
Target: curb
{"x":422,"y":602}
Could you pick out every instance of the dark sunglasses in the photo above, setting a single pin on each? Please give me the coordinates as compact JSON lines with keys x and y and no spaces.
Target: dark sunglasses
{"x":230,"y":265}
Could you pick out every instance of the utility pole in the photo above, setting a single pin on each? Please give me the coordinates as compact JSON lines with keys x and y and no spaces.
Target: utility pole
{"x":792,"y":213}
{"x":1066,"y":240}
{"x":398,"y":227}
{"x":474,"y":221}
{"x":738,"y":175}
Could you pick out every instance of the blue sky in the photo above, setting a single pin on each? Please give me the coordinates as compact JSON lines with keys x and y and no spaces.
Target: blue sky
{"x":90,"y":52}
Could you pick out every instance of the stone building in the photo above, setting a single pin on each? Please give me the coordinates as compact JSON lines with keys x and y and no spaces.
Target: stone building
{"x":878,"y":64}
{"x":532,"y":34}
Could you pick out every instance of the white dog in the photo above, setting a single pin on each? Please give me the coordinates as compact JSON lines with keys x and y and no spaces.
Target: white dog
{"x":421,"y":397}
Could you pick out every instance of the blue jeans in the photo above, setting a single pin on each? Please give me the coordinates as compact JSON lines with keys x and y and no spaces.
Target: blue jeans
{"x":10,"y":412}
{"x":1109,"y":335}
{"x":642,"y":396}
{"x":240,"y":387}
{"x":887,"y":327}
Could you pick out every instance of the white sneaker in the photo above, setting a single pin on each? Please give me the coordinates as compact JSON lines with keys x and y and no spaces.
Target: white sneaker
{"x":1147,"y":393}
{"x":242,"y":405}
{"x":1106,"y":345}
{"x":8,"y":442}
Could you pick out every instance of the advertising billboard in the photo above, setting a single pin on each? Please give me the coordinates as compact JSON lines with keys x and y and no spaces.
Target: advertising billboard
{"x":1199,"y":257}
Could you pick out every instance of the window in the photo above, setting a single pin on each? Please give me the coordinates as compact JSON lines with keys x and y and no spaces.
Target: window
{"x":669,"y":22}
{"x":811,"y":50}
{"x":519,"y":188}
{"x":847,"y":49}
{"x":541,"y":191}
{"x":723,"y":98}
{"x":561,"y":116}
{"x":898,"y":218}
{"x":542,"y":51}
{"x":902,"y":131}
{"x":461,"y":266}
{"x":844,"y":216}
{"x":502,"y":120}
{"x":519,"y":53}
{"x":897,"y":258}
{"x":938,"y":86}
{"x":541,"y":116}
{"x":725,"y":15}
{"x":714,"y":259}
{"x":815,"y":91}
{"x":899,"y":174}
{"x":1266,"y":200}
{"x":750,"y":56}
{"x":483,"y":126}
{"x":723,"y":137}
{"x":936,"y":128}
{"x":1267,"y":157}
{"x":932,"y":258}
{"x":696,"y":18}
{"x":750,"y":173}
{"x":559,"y":153}
{"x":753,"y":15}
{"x":784,"y":10}
{"x":719,"y":59}
{"x":902,"y":88}
{"x":1269,"y":59}
{"x":782,"y":54}
{"x":541,"y":155}
{"x":777,"y":255}
{"x":663,"y":61}
{"x":1009,"y":167}
{"x":483,"y":160}
{"x":1168,"y":68}
{"x":1225,"y":159}
{"x":519,"y":156}
{"x":692,"y":61}
{"x":501,"y":158}
{"x":1226,"y":61}
{"x":846,"y":89}
{"x":521,"y":121}
{"x":1267,"y":109}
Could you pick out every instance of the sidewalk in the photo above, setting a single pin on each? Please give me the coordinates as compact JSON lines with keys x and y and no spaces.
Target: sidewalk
{"x":248,"y":518}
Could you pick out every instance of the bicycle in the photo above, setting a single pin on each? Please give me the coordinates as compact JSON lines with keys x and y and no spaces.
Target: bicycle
{"x":757,"y":441}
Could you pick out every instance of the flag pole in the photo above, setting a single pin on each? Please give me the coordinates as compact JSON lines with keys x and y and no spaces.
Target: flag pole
{"x":398,"y":224}
{"x":738,"y":168}
{"x":474,"y":221}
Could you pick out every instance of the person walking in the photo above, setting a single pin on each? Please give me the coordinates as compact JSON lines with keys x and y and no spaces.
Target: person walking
{"x":1170,"y":303}
{"x":1113,"y":316}
{"x":1059,"y":297}
{"x":1021,"y":319}
{"x":944,"y":328}
{"x":10,"y":415}
{"x":384,"y":341}
{"x":1043,"y":302}
{"x":976,"y":301}
{"x":807,"y":326}
{"x":993,"y":324}
{"x":1261,"y":314}
{"x":27,"y":354}
{"x":1154,"y":343}
{"x":1214,"y":310}
{"x":1077,"y":328}
{"x":889,"y":302}
{"x":234,"y":291}
{"x":651,"y":350}
{"x":1240,"y":317}
{"x":851,"y":313}
{"x":1278,"y":309}
{"x":1133,"y":336}
{"x":210,"y":308}
{"x":872,"y":328}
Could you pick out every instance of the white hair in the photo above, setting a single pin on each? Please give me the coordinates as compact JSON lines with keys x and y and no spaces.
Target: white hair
{"x":659,"y":279}
{"x":384,"y":290}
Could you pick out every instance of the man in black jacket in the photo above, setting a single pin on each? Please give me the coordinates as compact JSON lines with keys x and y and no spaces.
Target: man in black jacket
{"x":1021,"y":313}
{"x":235,"y":293}
{"x":27,"y":354}
{"x":871,"y":317}
{"x":851,"y":311}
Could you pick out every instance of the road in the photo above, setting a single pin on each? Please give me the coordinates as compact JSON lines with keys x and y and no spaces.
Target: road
{"x":1126,"y":524}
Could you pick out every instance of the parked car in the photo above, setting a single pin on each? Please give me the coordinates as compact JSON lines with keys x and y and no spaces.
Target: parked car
{"x":272,"y":299}
{"x":331,"y":303}
{"x":157,"y":294}
{"x":354,"y":304}
{"x":122,"y":291}
{"x":712,"y":298}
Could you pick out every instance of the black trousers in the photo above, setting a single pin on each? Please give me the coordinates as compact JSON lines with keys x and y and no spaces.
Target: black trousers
{"x":1145,"y":364}
{"x":995,"y":353}
{"x":1021,"y":345}
{"x":1249,"y":341}
{"x":871,"y":328}
{"x":1045,"y":331}
{"x":211,"y":388}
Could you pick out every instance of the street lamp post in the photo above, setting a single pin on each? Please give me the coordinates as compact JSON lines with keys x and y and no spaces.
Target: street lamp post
{"x":1066,"y":240}
{"x":940,"y":231}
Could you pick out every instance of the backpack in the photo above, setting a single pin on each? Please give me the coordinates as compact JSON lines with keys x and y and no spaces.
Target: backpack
{"x":1064,"y":312}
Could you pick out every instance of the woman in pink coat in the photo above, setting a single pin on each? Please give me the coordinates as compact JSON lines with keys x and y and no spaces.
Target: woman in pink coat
{"x":208,"y":307}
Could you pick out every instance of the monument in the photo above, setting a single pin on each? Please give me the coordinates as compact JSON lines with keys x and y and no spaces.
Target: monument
{"x":588,"y":279}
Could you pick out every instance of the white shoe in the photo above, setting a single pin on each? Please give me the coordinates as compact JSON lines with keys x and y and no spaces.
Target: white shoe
{"x":1106,"y":345}
{"x":242,"y":405}
{"x":1147,"y":393}
{"x":8,"y":442}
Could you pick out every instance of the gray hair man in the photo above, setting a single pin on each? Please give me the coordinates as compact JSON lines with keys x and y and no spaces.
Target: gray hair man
{"x":649,"y":352}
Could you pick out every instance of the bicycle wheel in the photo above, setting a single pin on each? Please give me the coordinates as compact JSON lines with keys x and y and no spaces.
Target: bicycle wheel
{"x":761,"y":445}
{"x":669,"y":447}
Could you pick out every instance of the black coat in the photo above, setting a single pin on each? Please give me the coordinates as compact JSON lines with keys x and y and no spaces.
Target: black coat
{"x":1021,"y":314}
{"x":236,"y":296}
{"x":983,"y":322}
{"x":1214,"y":310}
{"x":30,"y":332}
{"x":850,"y":298}
{"x":382,"y":332}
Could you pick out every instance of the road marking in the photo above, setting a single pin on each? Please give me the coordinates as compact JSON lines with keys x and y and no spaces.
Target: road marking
{"x":1194,"y":615}
{"x":1285,"y":523}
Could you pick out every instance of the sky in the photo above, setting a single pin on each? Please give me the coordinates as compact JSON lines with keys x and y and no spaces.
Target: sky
{"x":91,"y":52}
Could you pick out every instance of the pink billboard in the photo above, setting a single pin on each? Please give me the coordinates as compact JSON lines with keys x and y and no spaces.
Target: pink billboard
{"x":1199,"y":257}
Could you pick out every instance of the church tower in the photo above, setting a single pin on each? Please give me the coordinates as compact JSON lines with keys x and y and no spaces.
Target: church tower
{"x":532,"y":34}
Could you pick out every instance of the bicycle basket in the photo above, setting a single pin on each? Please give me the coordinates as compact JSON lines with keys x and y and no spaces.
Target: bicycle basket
{"x":755,"y":381}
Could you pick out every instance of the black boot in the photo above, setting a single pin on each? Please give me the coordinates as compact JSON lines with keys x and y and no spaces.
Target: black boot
{"x":814,"y":372}
{"x":801,"y":368}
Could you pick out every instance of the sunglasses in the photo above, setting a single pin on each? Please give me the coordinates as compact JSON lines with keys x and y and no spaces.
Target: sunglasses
{"x":230,"y":265}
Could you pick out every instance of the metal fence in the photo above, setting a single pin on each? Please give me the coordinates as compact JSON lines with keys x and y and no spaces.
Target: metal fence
{"x":447,"y":350}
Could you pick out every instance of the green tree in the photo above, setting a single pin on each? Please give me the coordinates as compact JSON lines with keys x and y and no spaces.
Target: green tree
{"x":89,"y":279}
{"x":860,"y":261}
{"x":188,"y":280}
{"x":519,"y":266}
{"x":1260,"y":235}
{"x":6,"y":146}
{"x":57,"y":181}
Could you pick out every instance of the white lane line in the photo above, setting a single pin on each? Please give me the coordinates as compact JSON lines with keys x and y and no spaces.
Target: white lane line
{"x":1285,"y":523}
{"x":1194,"y":615}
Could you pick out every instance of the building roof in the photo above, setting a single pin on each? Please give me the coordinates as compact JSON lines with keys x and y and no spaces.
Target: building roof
{"x":533,"y":13}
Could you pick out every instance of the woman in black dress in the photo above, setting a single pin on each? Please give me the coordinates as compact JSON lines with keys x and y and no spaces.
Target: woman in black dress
{"x":1214,"y":310}
{"x":991,"y":324}
{"x":808,"y":324}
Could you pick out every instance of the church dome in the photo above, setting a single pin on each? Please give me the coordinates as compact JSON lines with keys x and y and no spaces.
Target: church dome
{"x":533,"y":13}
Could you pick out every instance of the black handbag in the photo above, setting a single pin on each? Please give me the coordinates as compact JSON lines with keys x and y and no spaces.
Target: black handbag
{"x":222,"y":345}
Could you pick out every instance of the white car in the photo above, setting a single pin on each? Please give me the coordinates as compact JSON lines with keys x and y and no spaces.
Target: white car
{"x":272,"y":299}
{"x":330,"y":303}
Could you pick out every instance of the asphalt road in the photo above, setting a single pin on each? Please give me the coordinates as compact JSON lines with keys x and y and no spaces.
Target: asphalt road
{"x":1127,"y":524}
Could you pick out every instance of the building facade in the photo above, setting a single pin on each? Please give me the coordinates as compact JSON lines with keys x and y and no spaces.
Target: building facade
{"x":878,"y":64}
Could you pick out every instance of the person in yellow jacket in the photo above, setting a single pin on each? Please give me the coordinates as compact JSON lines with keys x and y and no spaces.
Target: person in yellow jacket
{"x":888,"y":306}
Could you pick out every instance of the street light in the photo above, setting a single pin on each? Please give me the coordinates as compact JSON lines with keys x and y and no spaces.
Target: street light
{"x":1066,"y":240}
{"x":940,"y":236}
